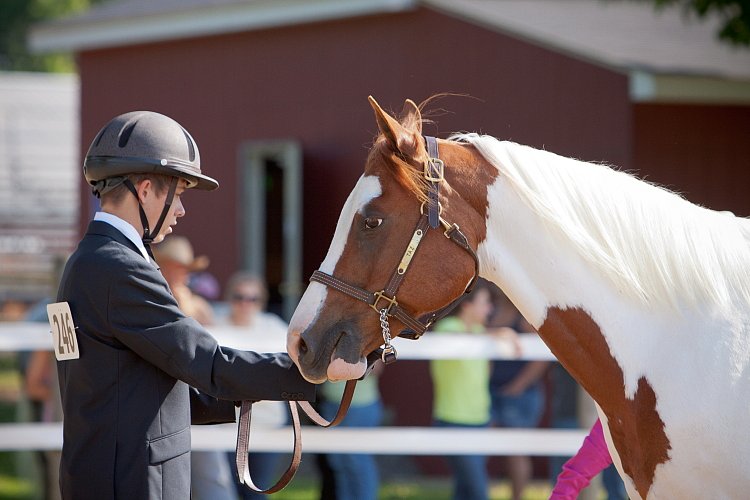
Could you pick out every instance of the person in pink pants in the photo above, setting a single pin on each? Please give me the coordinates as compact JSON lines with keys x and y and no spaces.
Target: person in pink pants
{"x":591,"y":459}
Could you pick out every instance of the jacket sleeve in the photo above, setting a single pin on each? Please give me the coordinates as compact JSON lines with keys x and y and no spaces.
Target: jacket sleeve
{"x":144,"y":316}
{"x":207,"y":410}
{"x":577,"y":472}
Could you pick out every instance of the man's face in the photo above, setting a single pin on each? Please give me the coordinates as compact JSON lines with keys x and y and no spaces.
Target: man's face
{"x":153,"y":204}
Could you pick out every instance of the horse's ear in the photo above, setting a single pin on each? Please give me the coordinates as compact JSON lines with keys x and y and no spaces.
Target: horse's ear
{"x":401,"y":137}
{"x":411,"y":117}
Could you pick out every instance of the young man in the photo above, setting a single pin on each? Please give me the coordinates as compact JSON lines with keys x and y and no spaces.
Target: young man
{"x":130,"y":395}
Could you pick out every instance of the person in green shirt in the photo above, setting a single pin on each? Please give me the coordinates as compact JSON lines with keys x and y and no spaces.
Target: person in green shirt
{"x":461,"y":395}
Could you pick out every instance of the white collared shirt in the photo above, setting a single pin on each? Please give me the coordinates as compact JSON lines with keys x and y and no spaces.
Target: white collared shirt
{"x":125,"y":228}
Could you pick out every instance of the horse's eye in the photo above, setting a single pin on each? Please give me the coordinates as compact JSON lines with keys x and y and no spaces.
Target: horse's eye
{"x":372,"y":222}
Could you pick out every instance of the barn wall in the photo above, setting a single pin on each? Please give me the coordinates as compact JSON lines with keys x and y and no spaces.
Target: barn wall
{"x":311,"y":83}
{"x":700,"y":151}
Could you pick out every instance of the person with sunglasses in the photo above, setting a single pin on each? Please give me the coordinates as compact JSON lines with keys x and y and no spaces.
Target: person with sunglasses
{"x":247,"y":296}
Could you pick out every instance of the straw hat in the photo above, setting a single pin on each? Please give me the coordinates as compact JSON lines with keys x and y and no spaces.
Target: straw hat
{"x":178,"y":249}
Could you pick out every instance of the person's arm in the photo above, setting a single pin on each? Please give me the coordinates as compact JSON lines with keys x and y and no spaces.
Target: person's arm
{"x":529,"y":374}
{"x":577,"y":472}
{"x":37,"y":383}
{"x":207,"y":410}
{"x":145,"y":317}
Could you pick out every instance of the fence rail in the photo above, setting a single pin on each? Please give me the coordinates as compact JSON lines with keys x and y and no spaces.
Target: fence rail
{"x":377,"y":440}
{"x":29,"y":336}
{"x":381,"y":440}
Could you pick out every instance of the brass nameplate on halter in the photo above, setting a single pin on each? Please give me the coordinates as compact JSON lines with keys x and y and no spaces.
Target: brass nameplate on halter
{"x":413,"y":244}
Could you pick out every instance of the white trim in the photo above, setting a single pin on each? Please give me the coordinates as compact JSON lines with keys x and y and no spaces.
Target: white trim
{"x":648,"y":87}
{"x":253,"y":157}
{"x":72,"y":35}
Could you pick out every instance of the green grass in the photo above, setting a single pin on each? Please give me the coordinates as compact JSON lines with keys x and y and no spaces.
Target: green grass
{"x":14,"y":488}
{"x":412,"y":489}
{"x":18,"y":479}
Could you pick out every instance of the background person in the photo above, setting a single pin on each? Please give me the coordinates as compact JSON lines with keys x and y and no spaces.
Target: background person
{"x":355,"y":475}
{"x":210,"y":475}
{"x":517,"y":393}
{"x":461,"y":392}
{"x":247,"y":296}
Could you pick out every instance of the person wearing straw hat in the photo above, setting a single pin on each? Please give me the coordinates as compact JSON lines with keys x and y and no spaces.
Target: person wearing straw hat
{"x":177,"y":260}
{"x":132,"y":361}
{"x":210,"y":474}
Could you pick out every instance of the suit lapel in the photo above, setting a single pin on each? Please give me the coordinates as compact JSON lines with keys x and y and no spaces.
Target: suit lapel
{"x":101,"y":228}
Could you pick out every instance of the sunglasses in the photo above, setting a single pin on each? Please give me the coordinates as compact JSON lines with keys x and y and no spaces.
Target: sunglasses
{"x":238,"y":297}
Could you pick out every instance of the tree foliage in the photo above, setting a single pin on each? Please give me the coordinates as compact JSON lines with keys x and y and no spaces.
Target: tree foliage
{"x":735,"y":16}
{"x":16,"y":17}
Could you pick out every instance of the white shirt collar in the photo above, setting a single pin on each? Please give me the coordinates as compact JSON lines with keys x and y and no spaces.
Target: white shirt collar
{"x":125,"y":228}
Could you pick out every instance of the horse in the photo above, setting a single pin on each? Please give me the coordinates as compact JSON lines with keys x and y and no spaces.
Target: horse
{"x":642,"y":296}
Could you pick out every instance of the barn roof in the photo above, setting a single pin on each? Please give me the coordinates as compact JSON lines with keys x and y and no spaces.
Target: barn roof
{"x":629,"y":37}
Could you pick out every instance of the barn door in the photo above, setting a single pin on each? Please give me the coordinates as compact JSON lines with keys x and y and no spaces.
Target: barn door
{"x":272,"y":219}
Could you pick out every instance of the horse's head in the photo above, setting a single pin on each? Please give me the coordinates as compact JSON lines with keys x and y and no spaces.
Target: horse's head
{"x":332,"y":332}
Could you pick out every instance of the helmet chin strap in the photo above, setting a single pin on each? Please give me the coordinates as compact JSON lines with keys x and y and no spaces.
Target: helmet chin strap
{"x":149,"y":235}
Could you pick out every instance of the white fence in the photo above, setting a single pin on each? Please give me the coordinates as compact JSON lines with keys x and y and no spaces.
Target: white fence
{"x":381,"y":440}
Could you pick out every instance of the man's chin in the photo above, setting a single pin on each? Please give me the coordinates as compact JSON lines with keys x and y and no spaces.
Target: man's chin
{"x":160,"y":237}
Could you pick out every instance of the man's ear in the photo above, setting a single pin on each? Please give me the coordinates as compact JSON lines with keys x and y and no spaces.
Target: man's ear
{"x":144,"y":188}
{"x":404,"y":137}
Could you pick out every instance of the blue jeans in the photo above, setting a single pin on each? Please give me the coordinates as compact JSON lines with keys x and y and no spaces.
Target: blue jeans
{"x":523,"y":410}
{"x":211,"y":477}
{"x":469,"y":471}
{"x":264,"y":470}
{"x":613,"y":484}
{"x":355,"y":475}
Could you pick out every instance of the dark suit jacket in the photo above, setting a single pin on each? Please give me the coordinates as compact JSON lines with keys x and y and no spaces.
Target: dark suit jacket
{"x":126,"y":400}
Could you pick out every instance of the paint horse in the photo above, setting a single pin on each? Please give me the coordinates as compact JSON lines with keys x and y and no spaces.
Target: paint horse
{"x":641,"y":295}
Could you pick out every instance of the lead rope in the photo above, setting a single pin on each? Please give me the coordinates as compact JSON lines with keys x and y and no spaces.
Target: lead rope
{"x":243,"y":437}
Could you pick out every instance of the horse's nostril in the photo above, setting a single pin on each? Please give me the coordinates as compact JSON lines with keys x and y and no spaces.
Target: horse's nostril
{"x":302,"y":347}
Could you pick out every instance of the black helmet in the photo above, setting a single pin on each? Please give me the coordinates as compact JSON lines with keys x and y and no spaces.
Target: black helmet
{"x":142,"y":142}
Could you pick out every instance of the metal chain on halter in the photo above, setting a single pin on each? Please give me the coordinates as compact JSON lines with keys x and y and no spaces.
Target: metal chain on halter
{"x":389,"y":352}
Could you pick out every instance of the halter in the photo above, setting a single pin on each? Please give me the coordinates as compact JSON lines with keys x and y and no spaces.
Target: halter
{"x":384,"y":302}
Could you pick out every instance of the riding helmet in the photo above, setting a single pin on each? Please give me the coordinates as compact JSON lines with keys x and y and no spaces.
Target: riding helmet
{"x":142,"y":142}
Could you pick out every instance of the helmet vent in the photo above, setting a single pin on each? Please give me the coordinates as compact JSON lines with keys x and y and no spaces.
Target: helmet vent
{"x":101,"y":134}
{"x":191,"y":148}
{"x":125,"y":134}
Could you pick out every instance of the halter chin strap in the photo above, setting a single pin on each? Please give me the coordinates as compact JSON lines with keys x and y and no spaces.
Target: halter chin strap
{"x":384,"y":302}
{"x":149,"y":235}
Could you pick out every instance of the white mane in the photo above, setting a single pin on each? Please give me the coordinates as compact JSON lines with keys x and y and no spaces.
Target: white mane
{"x":648,"y":241}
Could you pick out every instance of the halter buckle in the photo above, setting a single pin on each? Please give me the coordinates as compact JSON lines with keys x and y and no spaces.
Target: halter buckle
{"x":436,"y":175}
{"x":381,"y":295}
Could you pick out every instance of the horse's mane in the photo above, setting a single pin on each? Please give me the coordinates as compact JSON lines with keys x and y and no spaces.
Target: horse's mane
{"x":650,"y":242}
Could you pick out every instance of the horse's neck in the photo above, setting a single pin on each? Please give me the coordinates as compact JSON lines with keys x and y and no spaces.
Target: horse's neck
{"x":534,"y":266}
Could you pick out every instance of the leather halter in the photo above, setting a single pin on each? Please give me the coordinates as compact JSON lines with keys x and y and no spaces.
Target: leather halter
{"x":384,"y":302}
{"x":385,"y":305}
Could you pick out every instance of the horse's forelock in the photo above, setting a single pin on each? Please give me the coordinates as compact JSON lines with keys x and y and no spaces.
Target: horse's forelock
{"x":384,"y":160}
